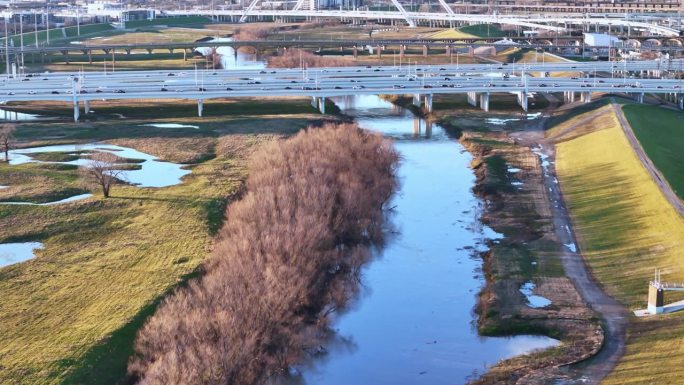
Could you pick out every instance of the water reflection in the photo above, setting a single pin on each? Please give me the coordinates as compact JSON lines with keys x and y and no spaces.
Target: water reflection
{"x":415,"y":324}
{"x":11,"y":253}
{"x":232,"y":59}
{"x":17,"y":116}
{"x":152,"y":172}
{"x":59,"y":202}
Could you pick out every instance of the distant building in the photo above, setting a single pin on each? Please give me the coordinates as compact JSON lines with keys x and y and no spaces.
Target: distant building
{"x":600,"y":40}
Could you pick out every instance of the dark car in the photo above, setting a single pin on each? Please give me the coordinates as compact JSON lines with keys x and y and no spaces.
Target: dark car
{"x":163,"y":89}
{"x":228,"y":89}
{"x":201,"y":89}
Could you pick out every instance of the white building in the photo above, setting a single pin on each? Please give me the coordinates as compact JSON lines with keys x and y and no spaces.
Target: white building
{"x":601,"y":40}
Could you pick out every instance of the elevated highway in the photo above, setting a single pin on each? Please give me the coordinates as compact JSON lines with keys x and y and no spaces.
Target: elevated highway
{"x":477,"y":81}
{"x":539,"y":22}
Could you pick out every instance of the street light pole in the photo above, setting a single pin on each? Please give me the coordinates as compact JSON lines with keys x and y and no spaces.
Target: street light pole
{"x":7,"y":61}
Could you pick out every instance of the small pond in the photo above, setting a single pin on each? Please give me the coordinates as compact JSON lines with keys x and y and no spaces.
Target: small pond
{"x":152,"y":172}
{"x":11,"y":253}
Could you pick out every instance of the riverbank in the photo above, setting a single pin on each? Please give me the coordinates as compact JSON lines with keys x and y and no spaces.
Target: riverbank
{"x":510,"y":180}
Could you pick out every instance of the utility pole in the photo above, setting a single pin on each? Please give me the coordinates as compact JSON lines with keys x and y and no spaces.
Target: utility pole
{"x":7,"y":61}
{"x":47,"y":21}
{"x":35,"y":27}
{"x":21,"y":37}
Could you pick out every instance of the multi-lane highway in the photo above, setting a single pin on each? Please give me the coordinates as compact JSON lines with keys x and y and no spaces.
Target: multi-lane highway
{"x":328,"y":82}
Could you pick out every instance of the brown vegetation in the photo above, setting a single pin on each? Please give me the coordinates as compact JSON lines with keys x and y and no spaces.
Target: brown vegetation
{"x":287,"y":257}
{"x":529,"y":252}
{"x":7,"y":138}
{"x":298,"y":58}
{"x":252,"y":33}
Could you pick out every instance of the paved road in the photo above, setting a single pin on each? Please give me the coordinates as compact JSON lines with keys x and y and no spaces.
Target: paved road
{"x":658,"y":178}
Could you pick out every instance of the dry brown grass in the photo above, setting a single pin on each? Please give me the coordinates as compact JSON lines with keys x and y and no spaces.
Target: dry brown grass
{"x":177,"y":150}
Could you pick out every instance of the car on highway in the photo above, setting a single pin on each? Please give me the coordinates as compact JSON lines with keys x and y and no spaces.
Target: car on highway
{"x":163,"y":89}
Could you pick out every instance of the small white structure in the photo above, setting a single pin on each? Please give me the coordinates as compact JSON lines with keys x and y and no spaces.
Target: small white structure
{"x":600,"y":40}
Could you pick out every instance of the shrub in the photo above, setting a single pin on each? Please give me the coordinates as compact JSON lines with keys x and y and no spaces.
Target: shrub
{"x":288,"y":256}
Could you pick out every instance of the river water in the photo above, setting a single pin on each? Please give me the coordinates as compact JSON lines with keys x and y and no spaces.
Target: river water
{"x":414,"y":323}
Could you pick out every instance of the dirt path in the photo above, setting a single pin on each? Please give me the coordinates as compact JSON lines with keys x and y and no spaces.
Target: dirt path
{"x":658,"y":178}
{"x":614,"y":315}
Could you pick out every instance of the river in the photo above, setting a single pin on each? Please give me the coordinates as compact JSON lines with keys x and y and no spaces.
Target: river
{"x":414,"y":322}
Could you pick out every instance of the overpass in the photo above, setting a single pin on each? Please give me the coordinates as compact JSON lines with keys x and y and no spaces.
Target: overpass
{"x":539,"y":22}
{"x":477,"y":81}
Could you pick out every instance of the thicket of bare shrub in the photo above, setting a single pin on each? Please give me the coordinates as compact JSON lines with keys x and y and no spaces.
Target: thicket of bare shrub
{"x":296,"y":58}
{"x":252,"y":33}
{"x":287,"y":257}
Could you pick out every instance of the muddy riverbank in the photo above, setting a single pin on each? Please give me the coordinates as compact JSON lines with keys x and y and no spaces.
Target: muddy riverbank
{"x":510,"y":180}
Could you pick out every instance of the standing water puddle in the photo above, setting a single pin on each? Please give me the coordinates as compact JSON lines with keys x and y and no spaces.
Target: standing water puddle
{"x":414,"y":323}
{"x":152,"y":172}
{"x":11,"y":253}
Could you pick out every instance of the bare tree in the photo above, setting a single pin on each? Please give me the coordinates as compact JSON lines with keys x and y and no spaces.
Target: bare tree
{"x":7,"y":138}
{"x":102,"y":170}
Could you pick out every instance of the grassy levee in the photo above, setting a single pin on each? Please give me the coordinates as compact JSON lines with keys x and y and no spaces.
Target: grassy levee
{"x":56,"y":34}
{"x":170,"y":22}
{"x":662,"y":139}
{"x":483,"y":30}
{"x":69,"y":316}
{"x":625,"y":227}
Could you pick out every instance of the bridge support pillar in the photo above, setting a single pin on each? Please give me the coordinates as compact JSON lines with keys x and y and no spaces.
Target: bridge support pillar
{"x":402,"y":49}
{"x":314,"y":102}
{"x":656,"y":300}
{"x":522,"y":100}
{"x":428,"y":102}
{"x":200,"y":107}
{"x":425,"y":50}
{"x":680,"y":101}
{"x":585,"y":97}
{"x":640,"y":97}
{"x":356,"y":52}
{"x":86,"y":106}
{"x":484,"y":101}
{"x":416,"y":100}
{"x":448,"y":52}
{"x":321,"y":105}
{"x":77,"y":113}
{"x":472,"y":98}
{"x":379,"y":49}
{"x":569,"y":96}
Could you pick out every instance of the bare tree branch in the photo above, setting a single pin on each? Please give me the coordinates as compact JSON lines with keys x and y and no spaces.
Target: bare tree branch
{"x":7,"y":138}
{"x":102,"y":169}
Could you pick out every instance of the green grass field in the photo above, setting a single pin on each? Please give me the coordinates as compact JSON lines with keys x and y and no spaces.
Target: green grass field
{"x":69,"y":316}
{"x":625,"y":229}
{"x":662,"y":138}
{"x":483,"y":30}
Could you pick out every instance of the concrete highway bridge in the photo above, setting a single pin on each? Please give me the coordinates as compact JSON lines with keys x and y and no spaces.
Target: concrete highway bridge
{"x":477,"y":81}
{"x":352,"y":47}
{"x":523,"y":42}
{"x":552,"y":23}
